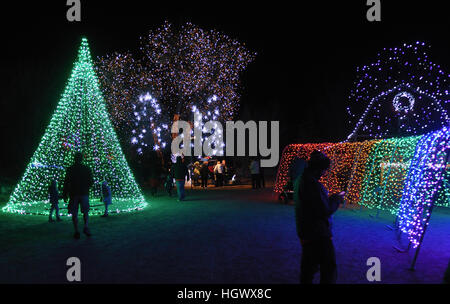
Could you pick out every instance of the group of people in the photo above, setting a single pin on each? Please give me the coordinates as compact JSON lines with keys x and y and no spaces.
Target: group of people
{"x":201,"y":173}
{"x":180,"y":173}
{"x":76,"y":187}
{"x":313,"y":206}
{"x":220,"y":173}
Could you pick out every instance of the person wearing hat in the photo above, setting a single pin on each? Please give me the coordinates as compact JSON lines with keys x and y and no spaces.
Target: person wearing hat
{"x":313,"y":210}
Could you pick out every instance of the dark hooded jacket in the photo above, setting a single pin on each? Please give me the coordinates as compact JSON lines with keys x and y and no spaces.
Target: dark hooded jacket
{"x":313,"y":208}
{"x":78,"y":180}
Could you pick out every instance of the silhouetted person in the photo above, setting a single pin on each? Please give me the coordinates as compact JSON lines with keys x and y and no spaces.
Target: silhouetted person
{"x":168,"y":185}
{"x":76,"y":187}
{"x":313,"y":210}
{"x":204,"y":174}
{"x":106,"y":197}
{"x":54,"y":198}
{"x":179,"y":171}
{"x":196,"y":173}
{"x":225,"y":172}
{"x":262,"y":180}
{"x":296,"y":171}
{"x":254,"y":172}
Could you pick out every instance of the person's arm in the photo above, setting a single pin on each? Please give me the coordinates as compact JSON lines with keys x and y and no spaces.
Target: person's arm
{"x":334,"y":201}
{"x":319,"y":199}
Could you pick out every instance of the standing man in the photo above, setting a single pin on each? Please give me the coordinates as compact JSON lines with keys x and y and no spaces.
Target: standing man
{"x":224,"y":173}
{"x":179,"y":171}
{"x":204,"y":173}
{"x":262,"y":180}
{"x":254,"y":172}
{"x":313,"y":210}
{"x":218,"y":171}
{"x":76,"y":186}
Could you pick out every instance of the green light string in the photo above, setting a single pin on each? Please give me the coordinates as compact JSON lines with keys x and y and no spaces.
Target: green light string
{"x":389,"y":167}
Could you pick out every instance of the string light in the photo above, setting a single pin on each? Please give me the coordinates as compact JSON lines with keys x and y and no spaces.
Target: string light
{"x":424,"y":180}
{"x":399,"y":106}
{"x":372,"y":172}
{"x":405,"y":78}
{"x":80,"y":124}
{"x":388,"y":166}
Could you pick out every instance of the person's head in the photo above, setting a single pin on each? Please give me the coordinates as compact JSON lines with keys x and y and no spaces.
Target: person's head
{"x":223,"y":162}
{"x":179,"y":159}
{"x":78,"y":157}
{"x":218,"y":162}
{"x":318,"y":163}
{"x":205,"y":162}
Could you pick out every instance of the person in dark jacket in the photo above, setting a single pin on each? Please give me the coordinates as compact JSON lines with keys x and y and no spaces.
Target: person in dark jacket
{"x":313,"y":210}
{"x":254,"y":171}
{"x":54,"y":197}
{"x":262,"y":179}
{"x":77,"y":183}
{"x":204,"y":174}
{"x":179,"y":171}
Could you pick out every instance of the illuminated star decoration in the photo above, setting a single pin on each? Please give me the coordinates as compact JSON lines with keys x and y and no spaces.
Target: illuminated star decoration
{"x":180,"y":68}
{"x":401,"y":93}
{"x":80,"y":124}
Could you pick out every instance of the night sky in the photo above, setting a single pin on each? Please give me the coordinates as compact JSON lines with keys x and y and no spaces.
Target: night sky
{"x":305,"y":66}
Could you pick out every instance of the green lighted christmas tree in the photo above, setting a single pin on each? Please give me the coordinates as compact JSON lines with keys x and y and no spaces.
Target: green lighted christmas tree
{"x":80,"y":124}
